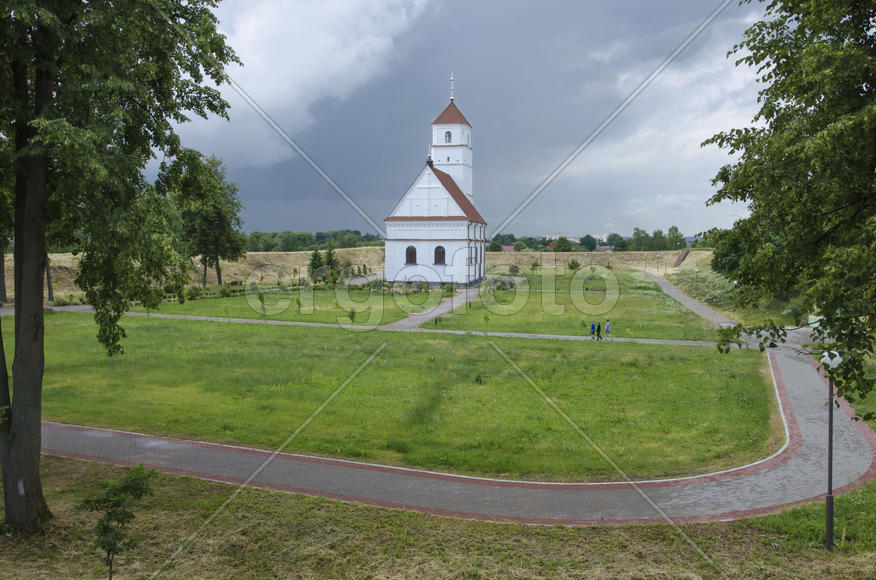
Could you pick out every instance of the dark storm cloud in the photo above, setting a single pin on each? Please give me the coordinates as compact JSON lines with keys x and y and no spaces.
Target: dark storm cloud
{"x":534,"y":79}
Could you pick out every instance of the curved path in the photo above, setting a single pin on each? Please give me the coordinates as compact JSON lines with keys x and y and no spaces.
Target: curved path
{"x":794,"y":474}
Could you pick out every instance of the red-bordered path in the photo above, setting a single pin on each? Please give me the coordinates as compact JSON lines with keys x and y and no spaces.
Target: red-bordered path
{"x":793,"y":475}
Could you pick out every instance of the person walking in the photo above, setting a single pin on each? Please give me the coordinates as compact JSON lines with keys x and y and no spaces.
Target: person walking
{"x":598,"y":331}
{"x":592,"y":329}
{"x":607,"y":329}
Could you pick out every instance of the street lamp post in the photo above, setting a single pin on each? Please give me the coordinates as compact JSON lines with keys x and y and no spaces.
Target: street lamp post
{"x":829,"y":360}
{"x":697,"y":278}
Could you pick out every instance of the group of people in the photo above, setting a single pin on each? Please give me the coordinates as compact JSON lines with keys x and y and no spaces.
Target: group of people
{"x":596,"y":330}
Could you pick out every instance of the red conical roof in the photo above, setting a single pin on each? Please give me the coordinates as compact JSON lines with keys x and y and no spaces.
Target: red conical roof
{"x":451,"y":116}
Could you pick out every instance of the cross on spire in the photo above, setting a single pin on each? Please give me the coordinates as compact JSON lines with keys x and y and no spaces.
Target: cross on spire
{"x":451,"y":87}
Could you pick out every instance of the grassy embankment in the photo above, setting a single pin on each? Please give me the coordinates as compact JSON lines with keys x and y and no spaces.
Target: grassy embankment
{"x":714,"y":289}
{"x":265,"y":533}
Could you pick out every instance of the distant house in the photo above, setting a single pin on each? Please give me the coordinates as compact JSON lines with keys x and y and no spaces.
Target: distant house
{"x":507,"y":248}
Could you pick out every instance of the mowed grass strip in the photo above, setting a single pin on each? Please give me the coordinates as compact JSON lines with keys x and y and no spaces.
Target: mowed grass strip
{"x":265,"y":533}
{"x":327,"y":306}
{"x":547,"y":307}
{"x":435,"y":401}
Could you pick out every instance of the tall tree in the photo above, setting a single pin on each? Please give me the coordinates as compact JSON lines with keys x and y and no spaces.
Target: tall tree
{"x":641,"y":241}
{"x":211,"y":225}
{"x":588,"y":243}
{"x":675,"y":239}
{"x":315,"y":266}
{"x":806,"y":171}
{"x":331,"y":264}
{"x":658,"y":241}
{"x":88,"y":92}
{"x":563,"y":244}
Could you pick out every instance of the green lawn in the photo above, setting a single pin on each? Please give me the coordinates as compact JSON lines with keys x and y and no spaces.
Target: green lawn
{"x":372,"y":308}
{"x":561,"y":305}
{"x":436,"y":401}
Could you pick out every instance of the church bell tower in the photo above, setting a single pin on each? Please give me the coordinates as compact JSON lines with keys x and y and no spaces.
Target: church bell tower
{"x":451,"y":145}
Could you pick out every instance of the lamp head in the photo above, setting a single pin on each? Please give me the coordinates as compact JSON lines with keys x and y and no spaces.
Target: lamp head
{"x":831,"y":359}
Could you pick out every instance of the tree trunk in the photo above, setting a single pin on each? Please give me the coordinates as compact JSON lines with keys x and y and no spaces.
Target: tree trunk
{"x":49,"y":282}
{"x":20,"y":439}
{"x":5,"y":403}
{"x":218,"y":273}
{"x":26,"y":507}
{"x":204,"y":279}
{"x":3,"y":297}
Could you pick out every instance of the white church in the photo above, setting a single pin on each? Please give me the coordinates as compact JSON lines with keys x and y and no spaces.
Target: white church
{"x":434,"y":233}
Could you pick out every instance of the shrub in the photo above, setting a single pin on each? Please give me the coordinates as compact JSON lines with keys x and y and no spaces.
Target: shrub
{"x":110,"y":534}
{"x":514,"y":269}
{"x":225,"y":291}
{"x":193,"y":292}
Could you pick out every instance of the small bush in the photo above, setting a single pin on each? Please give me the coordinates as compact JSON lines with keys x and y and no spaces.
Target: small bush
{"x":225,"y":291}
{"x":514,"y":269}
{"x":193,"y":292}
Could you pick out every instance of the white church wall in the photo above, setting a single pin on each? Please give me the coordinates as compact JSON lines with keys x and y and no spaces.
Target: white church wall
{"x":461,"y":257}
{"x":427,"y":197}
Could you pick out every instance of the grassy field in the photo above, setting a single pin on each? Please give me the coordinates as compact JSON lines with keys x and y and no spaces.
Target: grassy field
{"x":437,"y":401}
{"x":370,"y":308}
{"x":264,"y":533}
{"x":561,"y":305}
{"x":708,"y":286}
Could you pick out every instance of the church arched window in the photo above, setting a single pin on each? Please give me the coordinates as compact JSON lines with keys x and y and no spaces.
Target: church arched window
{"x":411,"y":255}
{"x":447,"y":136}
{"x":439,"y":255}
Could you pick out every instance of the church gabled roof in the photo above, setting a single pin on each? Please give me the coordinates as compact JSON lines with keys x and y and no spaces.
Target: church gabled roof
{"x":461,"y":200}
{"x":451,"y":115}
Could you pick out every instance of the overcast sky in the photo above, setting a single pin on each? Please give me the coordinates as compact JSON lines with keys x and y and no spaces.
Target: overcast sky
{"x":357,"y":83}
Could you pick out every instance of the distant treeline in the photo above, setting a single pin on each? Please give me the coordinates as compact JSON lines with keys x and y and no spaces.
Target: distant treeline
{"x":641,"y":240}
{"x":306,"y":241}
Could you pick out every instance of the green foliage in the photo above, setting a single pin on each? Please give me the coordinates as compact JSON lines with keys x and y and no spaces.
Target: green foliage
{"x":89,"y":93}
{"x":657,"y":241}
{"x":114,"y":502}
{"x":315,"y":267}
{"x":588,"y":243}
{"x":193,"y":292}
{"x":331,"y":265}
{"x":574,"y":265}
{"x":494,"y":246}
{"x":563,"y":244}
{"x":806,"y":171}
{"x":211,"y":225}
{"x":300,"y":241}
{"x":514,"y":269}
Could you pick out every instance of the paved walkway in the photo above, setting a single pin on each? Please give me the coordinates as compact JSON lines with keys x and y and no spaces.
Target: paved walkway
{"x":446,"y":306}
{"x":794,"y":474}
{"x":691,"y":304}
